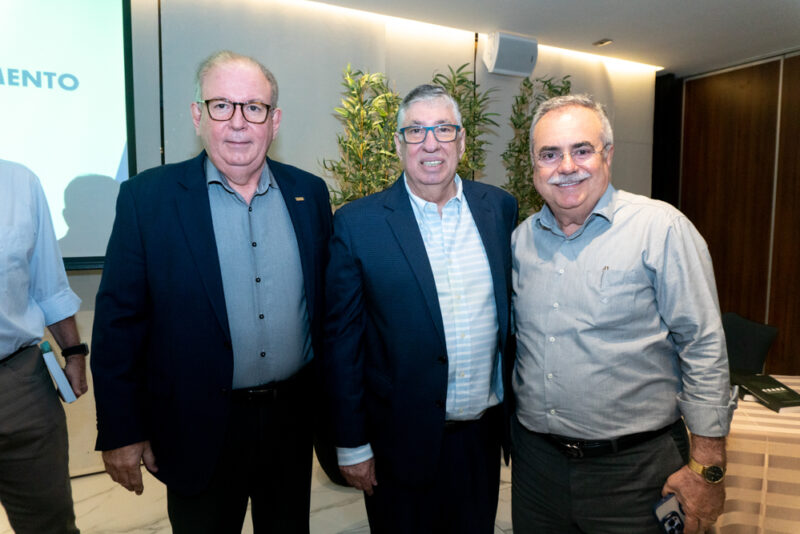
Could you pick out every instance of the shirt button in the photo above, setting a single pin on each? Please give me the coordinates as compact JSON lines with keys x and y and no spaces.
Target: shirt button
{"x":549,"y":376}
{"x":263,"y":354}
{"x":551,"y":339}
{"x":258,"y":279}
{"x":260,"y":315}
{"x":555,"y":305}
{"x":552,"y":412}
{"x":253,"y":243}
{"x":561,"y":271}
{"x":250,"y":208}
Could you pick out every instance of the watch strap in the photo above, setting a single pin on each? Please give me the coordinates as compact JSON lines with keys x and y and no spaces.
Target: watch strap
{"x":81,"y":349}
{"x":704,"y":471}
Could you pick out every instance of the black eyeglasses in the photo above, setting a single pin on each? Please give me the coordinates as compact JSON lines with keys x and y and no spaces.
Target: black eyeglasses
{"x":222,"y":109}
{"x":416,"y":134}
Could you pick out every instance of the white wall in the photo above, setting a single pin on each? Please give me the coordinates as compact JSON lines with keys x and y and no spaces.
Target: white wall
{"x":627,"y":92}
{"x":308,"y":45}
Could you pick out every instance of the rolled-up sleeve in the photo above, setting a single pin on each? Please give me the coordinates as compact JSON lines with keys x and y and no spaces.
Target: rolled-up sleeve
{"x":688,"y":303}
{"x":49,"y":287}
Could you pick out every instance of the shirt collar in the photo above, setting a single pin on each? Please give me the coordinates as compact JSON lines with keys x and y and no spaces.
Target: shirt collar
{"x":604,"y":208}
{"x":419,"y":204}
{"x":213,"y":176}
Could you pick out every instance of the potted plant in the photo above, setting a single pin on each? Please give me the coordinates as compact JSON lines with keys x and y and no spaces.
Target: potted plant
{"x":474,"y":117}
{"x":367,"y":160}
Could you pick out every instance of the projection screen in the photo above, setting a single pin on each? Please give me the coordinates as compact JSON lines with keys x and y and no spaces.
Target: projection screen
{"x":66,"y":111}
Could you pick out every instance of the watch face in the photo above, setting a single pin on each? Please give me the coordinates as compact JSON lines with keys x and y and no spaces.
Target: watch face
{"x":714,"y":473}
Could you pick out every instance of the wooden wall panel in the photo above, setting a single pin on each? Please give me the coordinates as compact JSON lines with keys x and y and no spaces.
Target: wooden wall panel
{"x":784,"y":307}
{"x":728,"y":158}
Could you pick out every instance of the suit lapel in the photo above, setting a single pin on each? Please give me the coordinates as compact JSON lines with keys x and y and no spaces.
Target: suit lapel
{"x":483,"y":213}
{"x":296,"y":205}
{"x":194,"y":212}
{"x":406,"y":230}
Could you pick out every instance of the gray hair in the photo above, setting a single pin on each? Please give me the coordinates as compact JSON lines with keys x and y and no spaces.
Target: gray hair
{"x":226,"y":56}
{"x":426,"y":92}
{"x":582,"y":100}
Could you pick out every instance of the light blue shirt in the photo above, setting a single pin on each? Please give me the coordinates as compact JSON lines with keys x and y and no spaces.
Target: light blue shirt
{"x":618,"y":325}
{"x":34,"y":291}
{"x":262,"y":280}
{"x":466,"y":298}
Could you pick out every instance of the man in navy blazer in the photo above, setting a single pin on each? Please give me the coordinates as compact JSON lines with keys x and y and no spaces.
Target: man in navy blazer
{"x":208,"y":316}
{"x":418,"y":338}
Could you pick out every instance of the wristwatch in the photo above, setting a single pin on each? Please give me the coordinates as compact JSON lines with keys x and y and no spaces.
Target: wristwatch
{"x":713,"y":474}
{"x":82,"y":349}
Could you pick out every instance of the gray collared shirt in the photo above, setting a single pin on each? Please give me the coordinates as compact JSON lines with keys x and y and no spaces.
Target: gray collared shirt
{"x":262,"y":279}
{"x":618,"y":325}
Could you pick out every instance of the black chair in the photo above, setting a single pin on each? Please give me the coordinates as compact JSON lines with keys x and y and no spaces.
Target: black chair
{"x":748,"y":342}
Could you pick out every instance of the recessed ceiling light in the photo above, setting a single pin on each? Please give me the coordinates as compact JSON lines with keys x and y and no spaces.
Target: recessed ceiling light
{"x":603,"y":42}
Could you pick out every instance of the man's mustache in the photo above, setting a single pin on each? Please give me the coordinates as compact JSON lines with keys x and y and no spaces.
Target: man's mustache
{"x":571,"y":178}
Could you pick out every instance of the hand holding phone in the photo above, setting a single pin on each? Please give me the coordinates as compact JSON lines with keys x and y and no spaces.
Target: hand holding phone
{"x":670,"y":514}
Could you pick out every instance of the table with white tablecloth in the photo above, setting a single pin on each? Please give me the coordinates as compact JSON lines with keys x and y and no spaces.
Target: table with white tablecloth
{"x":763,"y":478}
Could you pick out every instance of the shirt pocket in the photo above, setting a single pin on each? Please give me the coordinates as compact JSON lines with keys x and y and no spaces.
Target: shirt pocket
{"x":613,"y":293}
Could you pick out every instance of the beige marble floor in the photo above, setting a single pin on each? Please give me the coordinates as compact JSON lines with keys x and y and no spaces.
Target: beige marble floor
{"x":104,"y":507}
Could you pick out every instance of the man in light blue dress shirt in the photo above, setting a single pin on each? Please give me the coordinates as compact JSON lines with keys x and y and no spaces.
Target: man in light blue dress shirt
{"x":417,"y":334}
{"x":619,"y":342}
{"x":34,"y":293}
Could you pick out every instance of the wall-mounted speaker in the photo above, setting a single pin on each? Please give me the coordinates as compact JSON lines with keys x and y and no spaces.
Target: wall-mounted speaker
{"x":511,"y":54}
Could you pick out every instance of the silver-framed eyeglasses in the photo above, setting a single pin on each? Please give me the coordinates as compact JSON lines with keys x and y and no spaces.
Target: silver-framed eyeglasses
{"x":222,"y":109}
{"x":579,"y":155}
{"x":416,"y":134}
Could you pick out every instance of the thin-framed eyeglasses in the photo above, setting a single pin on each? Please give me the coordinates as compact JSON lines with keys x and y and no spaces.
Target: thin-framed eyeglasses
{"x":579,"y":155}
{"x":416,"y":134}
{"x":222,"y":109}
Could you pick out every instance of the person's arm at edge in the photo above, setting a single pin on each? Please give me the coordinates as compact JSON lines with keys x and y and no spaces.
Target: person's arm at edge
{"x":50,"y":289}
{"x":65,"y":332}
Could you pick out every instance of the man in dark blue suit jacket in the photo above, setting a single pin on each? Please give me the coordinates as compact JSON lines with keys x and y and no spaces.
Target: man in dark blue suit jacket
{"x":418,"y":345}
{"x":209,"y":314}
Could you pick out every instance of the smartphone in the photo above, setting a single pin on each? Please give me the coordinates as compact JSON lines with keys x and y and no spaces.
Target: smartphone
{"x":670,"y":514}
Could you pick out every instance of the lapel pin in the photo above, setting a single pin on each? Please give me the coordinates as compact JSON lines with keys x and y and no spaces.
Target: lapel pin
{"x":299,"y":199}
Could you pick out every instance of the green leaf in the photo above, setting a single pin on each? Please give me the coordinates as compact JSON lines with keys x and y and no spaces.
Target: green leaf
{"x":366,"y":161}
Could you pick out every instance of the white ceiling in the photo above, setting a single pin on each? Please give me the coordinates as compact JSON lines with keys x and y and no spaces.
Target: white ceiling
{"x":684,"y":36}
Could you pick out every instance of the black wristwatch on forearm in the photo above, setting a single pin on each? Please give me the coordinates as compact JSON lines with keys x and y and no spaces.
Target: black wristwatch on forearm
{"x":82,"y":349}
